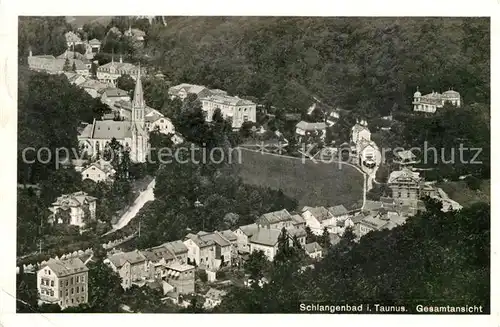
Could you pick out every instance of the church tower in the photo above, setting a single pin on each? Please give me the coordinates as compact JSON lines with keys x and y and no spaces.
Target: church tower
{"x":140,"y":135}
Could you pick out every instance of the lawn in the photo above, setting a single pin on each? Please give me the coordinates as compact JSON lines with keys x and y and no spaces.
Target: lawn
{"x":311,"y":184}
{"x":459,"y":192}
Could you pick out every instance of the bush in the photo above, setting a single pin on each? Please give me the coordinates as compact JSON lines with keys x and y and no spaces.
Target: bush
{"x":473,"y":183}
{"x":202,"y":275}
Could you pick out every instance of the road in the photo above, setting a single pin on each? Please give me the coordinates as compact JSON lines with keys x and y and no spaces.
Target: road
{"x":145,"y":196}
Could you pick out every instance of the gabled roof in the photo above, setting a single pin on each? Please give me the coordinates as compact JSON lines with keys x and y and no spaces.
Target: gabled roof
{"x":320,"y":213}
{"x":298,"y":232}
{"x":132,"y":257}
{"x":358,"y":128}
{"x":339,"y":210}
{"x":404,"y":174}
{"x":176,"y":247}
{"x":372,"y":205}
{"x":297,"y":219}
{"x":265,"y":236}
{"x":95,"y":42}
{"x":65,"y":267}
{"x":306,"y":126}
{"x":73,"y":200}
{"x":102,"y":165}
{"x":275,"y":217}
{"x":215,"y":237}
{"x":107,"y":129}
{"x":312,"y":247}
{"x":249,"y":230}
{"x":114,"y":92}
{"x":202,"y":243}
{"x":229,"y":235}
{"x":189,"y":88}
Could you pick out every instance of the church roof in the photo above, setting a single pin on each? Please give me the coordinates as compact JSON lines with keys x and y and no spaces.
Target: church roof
{"x":138,"y":100}
{"x":107,"y":129}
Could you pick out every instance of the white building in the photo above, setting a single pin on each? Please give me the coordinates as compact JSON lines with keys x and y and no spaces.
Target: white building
{"x":265,"y":240}
{"x":235,"y":109}
{"x":63,"y":282}
{"x":244,"y":233}
{"x":76,"y":205}
{"x":304,"y":128}
{"x":201,"y":252}
{"x":111,"y":71}
{"x":360,"y":132}
{"x":430,"y":102}
{"x":99,"y":171}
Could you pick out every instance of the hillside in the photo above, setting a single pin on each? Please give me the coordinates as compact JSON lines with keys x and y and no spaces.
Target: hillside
{"x":371,"y":65}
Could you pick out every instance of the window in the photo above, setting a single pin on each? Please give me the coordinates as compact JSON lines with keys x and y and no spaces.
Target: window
{"x":77,"y":290}
{"x":49,"y":272}
{"x":66,"y":293}
{"x":66,"y":282}
{"x":60,"y":283}
{"x":60,"y":293}
{"x":71,"y":282}
{"x":72,"y":291}
{"x":52,"y":283}
{"x":72,"y":301}
{"x":399,"y":194}
{"x":83,"y":289}
{"x":408,"y":195}
{"x":77,"y":279}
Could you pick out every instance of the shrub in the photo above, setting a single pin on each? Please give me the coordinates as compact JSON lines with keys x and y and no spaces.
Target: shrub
{"x":473,"y":183}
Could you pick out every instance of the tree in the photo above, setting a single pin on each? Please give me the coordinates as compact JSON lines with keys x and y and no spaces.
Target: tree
{"x":324,"y":240}
{"x":73,"y":68}
{"x":257,"y":265}
{"x":126,"y":83}
{"x":102,"y":282}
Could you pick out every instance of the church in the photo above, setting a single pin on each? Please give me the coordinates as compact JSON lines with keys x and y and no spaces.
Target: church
{"x":132,"y":134}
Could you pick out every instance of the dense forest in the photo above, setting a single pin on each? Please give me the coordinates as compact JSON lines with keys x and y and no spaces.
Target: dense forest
{"x":371,"y":65}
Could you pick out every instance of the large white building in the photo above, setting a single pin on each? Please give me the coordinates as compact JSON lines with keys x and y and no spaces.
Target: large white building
{"x":111,"y":71}
{"x":132,"y":134}
{"x":430,"y":102}
{"x":233,"y":108}
{"x":76,"y":205}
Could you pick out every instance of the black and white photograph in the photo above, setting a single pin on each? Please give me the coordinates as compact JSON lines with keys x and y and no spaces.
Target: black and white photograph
{"x":253,"y":164}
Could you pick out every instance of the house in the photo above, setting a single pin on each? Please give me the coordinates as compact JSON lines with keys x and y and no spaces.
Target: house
{"x":99,"y":171}
{"x":367,"y":224}
{"x":405,"y":158}
{"x":181,"y":91}
{"x":265,"y":240}
{"x":76,"y":206}
{"x":76,"y":55}
{"x":136,"y":34}
{"x":51,"y":65}
{"x":338,"y":212}
{"x":75,"y":78}
{"x":72,"y":39}
{"x":405,"y":186}
{"x":95,"y":45}
{"x":244,"y":233}
{"x":223,"y":248}
{"x":368,"y":153}
{"x":314,"y":250}
{"x":158,"y":257}
{"x":110,"y":72}
{"x":298,"y":221}
{"x":111,"y":95}
{"x":201,"y":252}
{"x":297,"y":233}
{"x":360,"y":132}
{"x":156,"y":121}
{"x":233,"y":108}
{"x":94,"y":88}
{"x":303,"y":129}
{"x":131,"y":266}
{"x":276,"y":219}
{"x":181,"y":277}
{"x":63,"y":282}
{"x":317,"y":218}
{"x":213,"y":298}
{"x":430,"y":102}
{"x":342,"y":220}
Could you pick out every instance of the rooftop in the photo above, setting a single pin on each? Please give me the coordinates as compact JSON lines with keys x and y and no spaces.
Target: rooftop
{"x":306,"y":126}
{"x":73,"y":200}
{"x":66,"y":267}
{"x":339,"y":210}
{"x":265,"y":236}
{"x":312,"y":247}
{"x":133,"y":257}
{"x":404,"y":175}
{"x":297,"y":219}
{"x":249,"y":230}
{"x":107,"y":129}
{"x":276,"y":216}
{"x":228,"y":100}
{"x":199,"y":241}
{"x":179,"y":266}
{"x":320,"y":213}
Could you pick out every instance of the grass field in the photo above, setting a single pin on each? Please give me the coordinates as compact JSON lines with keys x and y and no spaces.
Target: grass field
{"x":312,"y":184}
{"x":459,"y":192}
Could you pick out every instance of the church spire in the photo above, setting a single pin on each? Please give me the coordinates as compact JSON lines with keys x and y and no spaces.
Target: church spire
{"x":138,"y":101}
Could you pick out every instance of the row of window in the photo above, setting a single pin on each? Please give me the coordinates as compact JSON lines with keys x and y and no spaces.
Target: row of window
{"x":47,"y":292}
{"x":73,"y":290}
{"x":78,"y":300}
{"x":71,"y":281}
{"x":47,"y":282}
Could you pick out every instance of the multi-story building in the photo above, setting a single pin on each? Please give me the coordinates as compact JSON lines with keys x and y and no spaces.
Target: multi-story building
{"x":99,"y":171}
{"x":265,"y":240}
{"x":317,"y":218}
{"x":111,"y":71}
{"x":111,"y":95}
{"x":131,"y":266}
{"x":430,"y":102}
{"x":181,"y":91}
{"x":77,"y":205}
{"x":244,"y":233}
{"x":233,"y":108}
{"x":276,"y":220}
{"x":52,"y":65}
{"x":63,"y":282}
{"x":201,"y":251}
{"x":181,"y":277}
{"x":405,"y":186}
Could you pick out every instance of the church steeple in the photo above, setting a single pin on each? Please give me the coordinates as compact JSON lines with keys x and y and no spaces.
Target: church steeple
{"x":138,"y":93}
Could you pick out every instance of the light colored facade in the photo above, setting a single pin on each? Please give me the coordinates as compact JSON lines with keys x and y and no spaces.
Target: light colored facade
{"x":405,"y":186}
{"x":265,"y":240}
{"x":314,"y":250}
{"x":131,"y":266}
{"x":111,"y":71}
{"x":244,"y":233}
{"x":99,"y":171}
{"x":51,"y":65}
{"x":111,"y":95}
{"x":181,"y":91}
{"x":181,"y":277}
{"x":200,"y":252}
{"x":63,"y":282}
{"x":303,"y":129}
{"x":368,"y":153}
{"x":431,"y":102}
{"x":213,"y":298}
{"x":76,"y":203}
{"x":360,"y":132}
{"x":130,"y":134}
{"x":317,"y":218}
{"x":233,"y":108}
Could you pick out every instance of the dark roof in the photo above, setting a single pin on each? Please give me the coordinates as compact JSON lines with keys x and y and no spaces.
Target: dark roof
{"x":339,"y":210}
{"x":66,"y":267}
{"x":312,"y":247}
{"x":265,"y":236}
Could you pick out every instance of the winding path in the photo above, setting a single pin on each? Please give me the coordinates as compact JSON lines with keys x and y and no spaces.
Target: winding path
{"x":145,"y":196}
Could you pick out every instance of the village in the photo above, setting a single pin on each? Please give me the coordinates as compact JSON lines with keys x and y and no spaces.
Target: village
{"x":174,"y":267}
